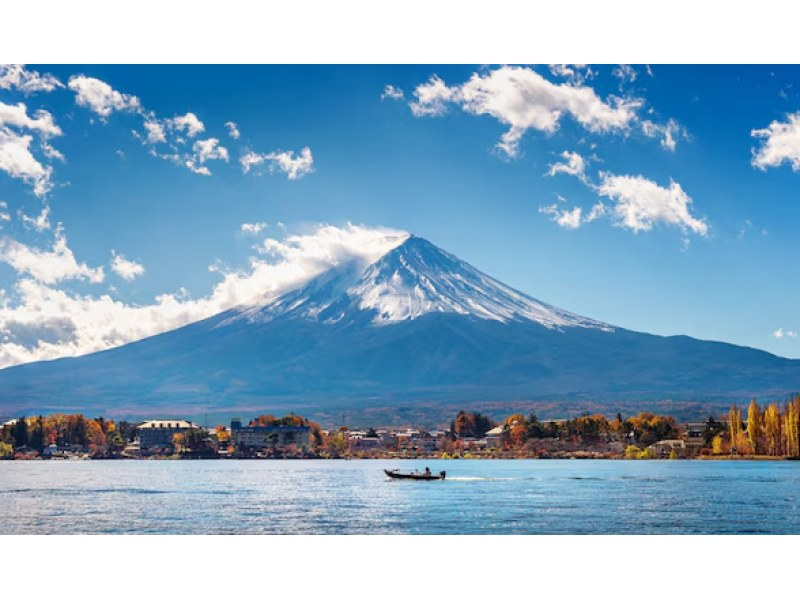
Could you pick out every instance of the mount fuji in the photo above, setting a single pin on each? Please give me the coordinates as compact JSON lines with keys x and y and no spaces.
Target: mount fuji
{"x":416,"y":330}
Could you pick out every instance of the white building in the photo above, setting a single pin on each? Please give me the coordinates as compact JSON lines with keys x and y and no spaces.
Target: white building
{"x":158,"y":433}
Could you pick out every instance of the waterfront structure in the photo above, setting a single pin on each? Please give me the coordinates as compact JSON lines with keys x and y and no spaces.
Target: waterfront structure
{"x":159,"y":433}
{"x":663,"y":448}
{"x":494,"y":437}
{"x":262,"y":437}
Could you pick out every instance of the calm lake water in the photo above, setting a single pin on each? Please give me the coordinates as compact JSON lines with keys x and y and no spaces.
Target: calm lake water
{"x":355,"y":497}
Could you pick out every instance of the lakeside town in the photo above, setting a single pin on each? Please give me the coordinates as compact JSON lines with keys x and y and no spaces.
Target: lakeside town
{"x":771,"y":431}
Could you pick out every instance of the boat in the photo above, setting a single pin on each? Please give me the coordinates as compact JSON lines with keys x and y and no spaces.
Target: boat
{"x":395,"y":474}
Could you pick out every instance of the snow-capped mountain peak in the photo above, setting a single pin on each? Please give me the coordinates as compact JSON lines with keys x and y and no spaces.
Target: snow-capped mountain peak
{"x":413,"y":279}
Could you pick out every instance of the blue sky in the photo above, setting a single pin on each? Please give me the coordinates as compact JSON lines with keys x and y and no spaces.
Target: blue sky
{"x":686,"y":222}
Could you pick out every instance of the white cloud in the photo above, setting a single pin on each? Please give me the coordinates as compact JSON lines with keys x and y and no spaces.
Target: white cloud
{"x":573,"y":165}
{"x":39,"y":223}
{"x":563,"y":217}
{"x":781,"y":144}
{"x":668,"y":132}
{"x":155,"y":131}
{"x":4,"y":215}
{"x":432,"y":98}
{"x":233,"y":129}
{"x":124,"y":268}
{"x":48,"y":267}
{"x":639,"y":203}
{"x":523,"y":99}
{"x":392,"y":93}
{"x":16,"y":155}
{"x":295,"y":167}
{"x":253,"y":228}
{"x":203,"y":151}
{"x":16,"y":77}
{"x":18,"y":162}
{"x":577,"y":74}
{"x":625,"y":73}
{"x":17,"y":116}
{"x":41,"y":322}
{"x":100,"y":97}
{"x":781,"y":333}
{"x":188,"y":124}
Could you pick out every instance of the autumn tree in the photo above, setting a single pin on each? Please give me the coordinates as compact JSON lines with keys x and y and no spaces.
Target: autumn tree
{"x":712,"y":430}
{"x":754,"y":423}
{"x":6,"y":450}
{"x":719,"y":446}
{"x":36,"y":433}
{"x":792,"y":427}
{"x":738,"y":439}
{"x":471,"y":424}
{"x":772,"y":429}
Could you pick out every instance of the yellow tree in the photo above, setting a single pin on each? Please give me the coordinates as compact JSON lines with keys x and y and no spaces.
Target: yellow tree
{"x":754,"y":421}
{"x":772,"y":429}
{"x":734,"y":425}
{"x":792,"y":427}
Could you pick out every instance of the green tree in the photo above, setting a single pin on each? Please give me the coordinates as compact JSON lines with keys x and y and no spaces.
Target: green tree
{"x":712,"y":429}
{"x":20,"y":433}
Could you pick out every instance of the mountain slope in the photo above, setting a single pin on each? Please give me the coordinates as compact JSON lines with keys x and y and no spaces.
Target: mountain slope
{"x":416,"y":325}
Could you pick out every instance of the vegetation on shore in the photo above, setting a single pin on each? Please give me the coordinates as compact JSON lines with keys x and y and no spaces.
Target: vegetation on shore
{"x":771,"y":431}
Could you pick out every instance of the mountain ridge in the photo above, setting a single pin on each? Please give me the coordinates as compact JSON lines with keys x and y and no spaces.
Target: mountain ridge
{"x":415,"y":326}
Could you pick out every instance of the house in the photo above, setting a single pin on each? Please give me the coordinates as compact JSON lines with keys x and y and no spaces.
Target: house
{"x":159,"y":433}
{"x":261,"y":437}
{"x":664,"y":448}
{"x":494,"y":437}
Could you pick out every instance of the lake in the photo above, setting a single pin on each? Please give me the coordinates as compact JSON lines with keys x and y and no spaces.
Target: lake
{"x":355,"y":497}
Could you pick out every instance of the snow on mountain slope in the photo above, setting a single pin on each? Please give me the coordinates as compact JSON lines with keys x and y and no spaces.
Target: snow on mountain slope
{"x":413,"y":279}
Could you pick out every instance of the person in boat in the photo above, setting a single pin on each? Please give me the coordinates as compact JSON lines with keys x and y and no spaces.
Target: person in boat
{"x":427,"y":471}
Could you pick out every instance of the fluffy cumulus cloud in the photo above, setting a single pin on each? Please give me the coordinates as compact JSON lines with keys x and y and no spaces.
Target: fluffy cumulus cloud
{"x":175,"y":138}
{"x":781,"y":143}
{"x":124,"y":268}
{"x":47,"y":266}
{"x":781,"y":333}
{"x":203,"y":151}
{"x":16,"y":115}
{"x":233,"y":129}
{"x":390,"y":92}
{"x":176,"y":133}
{"x":99,"y":97}
{"x":188,"y":124}
{"x":18,"y":161}
{"x":573,"y":164}
{"x":565,"y":218}
{"x":253,"y":228}
{"x":293,"y":166}
{"x":638,"y":203}
{"x":668,"y":132}
{"x":15,"y":77}
{"x":17,"y":150}
{"x":38,"y":223}
{"x":574,"y":73}
{"x":524,"y":100}
{"x":43,"y":322}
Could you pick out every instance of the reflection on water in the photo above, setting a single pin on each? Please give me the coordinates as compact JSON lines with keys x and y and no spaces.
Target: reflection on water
{"x":355,"y":497}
